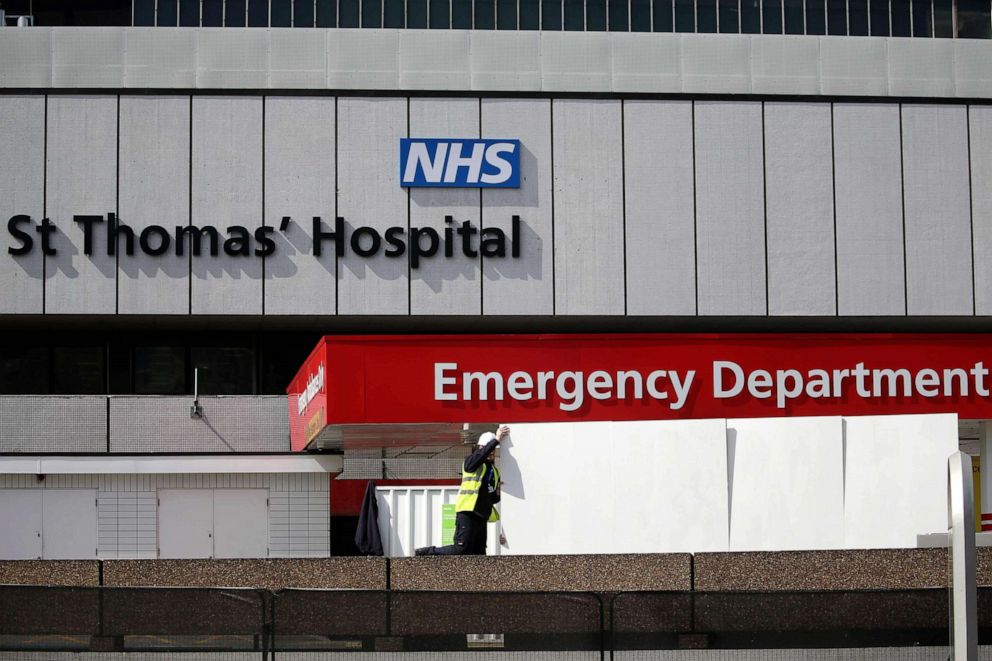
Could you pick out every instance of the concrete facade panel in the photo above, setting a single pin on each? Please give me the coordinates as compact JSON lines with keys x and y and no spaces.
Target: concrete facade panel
{"x":980,"y":134}
{"x":800,"y":209}
{"x":81,"y":180}
{"x":227,"y":191}
{"x":154,"y":190}
{"x":730,"y":225}
{"x":524,"y":285}
{"x":22,"y":191}
{"x":660,"y":208}
{"x":159,"y":58}
{"x":588,"y":190}
{"x":868,"y":194}
{"x":445,"y":285}
{"x":369,"y":195}
{"x":32,"y":424}
{"x":938,"y":213}
{"x":300,"y":183}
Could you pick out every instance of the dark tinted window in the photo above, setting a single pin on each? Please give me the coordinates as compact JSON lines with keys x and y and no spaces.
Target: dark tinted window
{"x":922,"y":26}
{"x":327,"y":13}
{"x":189,"y":13}
{"x":159,"y":370}
{"x":348,"y":13}
{"x":303,"y":14}
{"x":816,"y":15}
{"x":596,"y":15}
{"x":575,"y":17}
{"x":439,"y":16}
{"x":530,"y":15}
{"x":167,"y":14}
{"x":224,"y":370}
{"x":943,"y":19}
{"x":728,"y":16}
{"x":213,"y":13}
{"x":750,"y":16}
{"x":618,"y":19}
{"x":900,"y":18}
{"x":551,"y":15}
{"x":416,"y":14}
{"x":78,"y":371}
{"x":234,"y":13}
{"x":857,"y":19}
{"x":705,"y":15}
{"x":258,"y":13}
{"x":685,"y":16}
{"x":973,"y":19}
{"x":640,"y":15}
{"x":794,"y":19}
{"x":24,"y":370}
{"x":771,"y":16}
{"x":282,"y":13}
{"x":664,"y":16}
{"x":879,"y":17}
{"x":461,"y":14}
{"x":371,"y":14}
{"x":506,"y":14}
{"x":144,"y":13}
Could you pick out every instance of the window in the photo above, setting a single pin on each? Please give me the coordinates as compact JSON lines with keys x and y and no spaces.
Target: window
{"x":144,"y":13}
{"x":921,"y":18}
{"x":551,"y":15}
{"x":664,"y":16}
{"x":224,"y":370}
{"x":461,"y":14}
{"x":974,"y":19}
{"x":24,"y":370}
{"x":530,"y":14}
{"x":258,"y":13}
{"x":371,"y":14}
{"x":303,"y":14}
{"x":640,"y":15}
{"x":857,"y":18}
{"x":729,"y":19}
{"x":439,"y":14}
{"x":816,"y":16}
{"x":213,"y":13}
{"x":750,"y":16}
{"x":705,"y":15}
{"x":159,"y":370}
{"x":506,"y":14}
{"x":772,"y":16}
{"x":78,"y":370}
{"x":348,"y":13}
{"x":189,"y":13}
{"x":575,"y":18}
{"x":795,"y":22}
{"x":900,"y":18}
{"x":234,"y":13}
{"x":282,"y":13}
{"x":878,"y":11}
{"x":416,"y":14}
{"x":685,"y":16}
{"x":619,"y":21}
{"x":485,"y":14}
{"x":167,"y":13}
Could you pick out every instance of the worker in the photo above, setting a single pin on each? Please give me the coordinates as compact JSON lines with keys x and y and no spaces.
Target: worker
{"x":477,"y":495}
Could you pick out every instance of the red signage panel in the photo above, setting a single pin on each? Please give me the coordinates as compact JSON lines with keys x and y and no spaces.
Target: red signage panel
{"x":544,"y":378}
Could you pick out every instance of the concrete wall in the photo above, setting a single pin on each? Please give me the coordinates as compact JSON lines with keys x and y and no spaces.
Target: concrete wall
{"x":726,"y":485}
{"x":629,"y":207}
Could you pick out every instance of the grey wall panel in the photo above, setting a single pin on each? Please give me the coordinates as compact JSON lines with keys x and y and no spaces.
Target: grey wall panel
{"x":868,"y":193}
{"x":524,"y":285}
{"x":588,"y":189}
{"x":661,"y":252}
{"x":369,"y":195}
{"x":730,"y":229}
{"x":938,"y":213}
{"x":229,"y":424}
{"x":154,"y":190}
{"x":299,"y":183}
{"x":226,"y":191}
{"x":800,"y":209}
{"x":82,"y":180}
{"x":22,"y":191}
{"x":445,"y":285}
{"x":980,"y":130}
{"x":48,"y":423}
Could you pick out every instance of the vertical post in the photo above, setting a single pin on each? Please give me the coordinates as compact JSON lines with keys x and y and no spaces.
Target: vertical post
{"x":964,"y":592}
{"x":985,"y":452}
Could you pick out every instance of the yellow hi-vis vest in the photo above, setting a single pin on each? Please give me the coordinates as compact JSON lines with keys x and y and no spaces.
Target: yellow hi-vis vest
{"x":468,"y":492}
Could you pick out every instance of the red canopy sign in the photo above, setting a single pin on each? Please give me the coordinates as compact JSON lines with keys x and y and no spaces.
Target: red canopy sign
{"x":355,"y":380}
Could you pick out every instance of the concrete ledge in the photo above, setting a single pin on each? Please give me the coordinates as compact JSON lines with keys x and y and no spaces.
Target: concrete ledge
{"x":536,"y":573}
{"x":875,"y":569}
{"x":322,"y":573}
{"x":50,"y":572}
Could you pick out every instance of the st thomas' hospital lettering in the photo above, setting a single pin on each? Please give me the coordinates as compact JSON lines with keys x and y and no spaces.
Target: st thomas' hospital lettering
{"x":441,"y":163}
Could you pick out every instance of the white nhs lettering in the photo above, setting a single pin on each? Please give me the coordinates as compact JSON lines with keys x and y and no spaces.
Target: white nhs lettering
{"x":460,"y":163}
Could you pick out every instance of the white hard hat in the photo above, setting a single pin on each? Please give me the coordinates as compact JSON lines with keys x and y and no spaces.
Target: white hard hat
{"x":485,"y":438}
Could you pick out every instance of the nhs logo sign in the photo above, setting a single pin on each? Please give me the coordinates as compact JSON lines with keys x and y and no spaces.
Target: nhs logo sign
{"x":454,"y":163}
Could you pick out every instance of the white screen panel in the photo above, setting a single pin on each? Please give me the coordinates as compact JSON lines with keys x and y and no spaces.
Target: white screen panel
{"x":938,"y":213}
{"x":868,"y":171}
{"x":69,"y":526}
{"x":22,"y":191}
{"x":185,"y":523}
{"x":82,"y":180}
{"x":241,"y":523}
{"x":369,"y":195}
{"x":20,"y":524}
{"x":800,"y":209}
{"x":154,"y":190}
{"x":445,"y":285}
{"x":786,"y":484}
{"x":523,"y":285}
{"x":588,"y":189}
{"x":299,"y":183}
{"x":661,"y":249}
{"x":980,"y":124}
{"x":227,"y":191}
{"x":730,"y":227}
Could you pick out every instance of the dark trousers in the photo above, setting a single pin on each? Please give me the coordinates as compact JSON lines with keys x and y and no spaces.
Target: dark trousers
{"x":470,"y":537}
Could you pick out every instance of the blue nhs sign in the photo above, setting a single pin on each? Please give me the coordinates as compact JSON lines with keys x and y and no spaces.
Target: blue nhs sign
{"x":455,"y":163}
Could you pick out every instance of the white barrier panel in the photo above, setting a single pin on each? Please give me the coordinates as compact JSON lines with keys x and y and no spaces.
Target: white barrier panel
{"x":410,"y":517}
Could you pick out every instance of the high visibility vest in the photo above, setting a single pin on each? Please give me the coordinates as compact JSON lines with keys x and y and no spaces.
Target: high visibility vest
{"x":468,"y":492}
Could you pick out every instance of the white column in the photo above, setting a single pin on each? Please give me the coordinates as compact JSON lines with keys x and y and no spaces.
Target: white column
{"x":985,"y":452}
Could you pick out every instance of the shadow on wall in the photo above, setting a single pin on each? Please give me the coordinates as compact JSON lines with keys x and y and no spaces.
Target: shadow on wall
{"x":509,"y":470}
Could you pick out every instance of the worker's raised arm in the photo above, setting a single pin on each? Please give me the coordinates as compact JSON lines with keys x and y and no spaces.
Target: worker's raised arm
{"x":474,"y":460}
